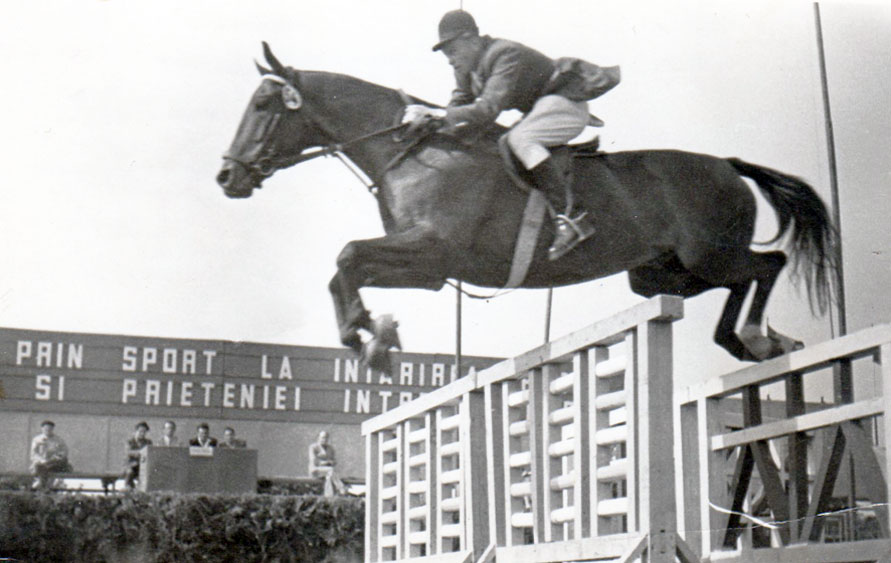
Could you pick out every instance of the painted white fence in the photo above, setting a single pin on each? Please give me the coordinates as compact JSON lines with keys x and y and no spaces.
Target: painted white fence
{"x":563,"y":453}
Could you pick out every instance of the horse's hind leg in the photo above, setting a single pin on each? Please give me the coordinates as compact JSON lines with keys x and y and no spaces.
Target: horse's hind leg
{"x":773,"y":343}
{"x":736,"y":273}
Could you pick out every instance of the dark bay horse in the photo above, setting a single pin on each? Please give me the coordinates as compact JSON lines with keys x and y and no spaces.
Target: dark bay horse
{"x":679,"y":223}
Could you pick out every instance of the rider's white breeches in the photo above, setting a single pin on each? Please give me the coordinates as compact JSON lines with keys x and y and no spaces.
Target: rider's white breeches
{"x":553,"y":120}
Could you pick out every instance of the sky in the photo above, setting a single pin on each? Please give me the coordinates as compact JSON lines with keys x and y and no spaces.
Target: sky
{"x":115,"y":115}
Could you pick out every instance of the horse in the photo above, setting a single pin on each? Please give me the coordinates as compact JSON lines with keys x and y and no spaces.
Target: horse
{"x":678,"y":222}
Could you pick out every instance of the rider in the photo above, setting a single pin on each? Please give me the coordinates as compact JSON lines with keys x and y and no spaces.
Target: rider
{"x":496,"y":74}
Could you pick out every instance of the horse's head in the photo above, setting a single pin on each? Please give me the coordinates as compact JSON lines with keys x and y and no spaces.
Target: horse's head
{"x":275,"y":129}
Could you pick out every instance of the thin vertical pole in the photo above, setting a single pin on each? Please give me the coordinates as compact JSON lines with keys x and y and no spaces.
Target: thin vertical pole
{"x":458,"y":328}
{"x":547,"y":327}
{"x":833,"y":175}
{"x":842,"y":372}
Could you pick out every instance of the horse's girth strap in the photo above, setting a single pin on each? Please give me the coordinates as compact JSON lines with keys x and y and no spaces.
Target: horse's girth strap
{"x":533,"y":218}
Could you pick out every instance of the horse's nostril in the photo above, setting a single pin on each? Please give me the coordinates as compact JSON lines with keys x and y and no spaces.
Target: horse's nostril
{"x":223,"y":177}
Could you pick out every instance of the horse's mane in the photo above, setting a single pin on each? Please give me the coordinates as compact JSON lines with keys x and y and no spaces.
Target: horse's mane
{"x":332,"y":84}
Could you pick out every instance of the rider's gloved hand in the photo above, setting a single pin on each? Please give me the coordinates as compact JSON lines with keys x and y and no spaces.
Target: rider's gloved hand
{"x":415,"y":114}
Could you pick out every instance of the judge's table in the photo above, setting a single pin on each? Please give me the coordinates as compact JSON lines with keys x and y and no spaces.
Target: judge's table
{"x":198,"y":470}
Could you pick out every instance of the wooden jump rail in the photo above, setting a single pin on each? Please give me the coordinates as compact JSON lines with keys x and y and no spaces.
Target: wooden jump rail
{"x":563,"y":453}
{"x":719,"y":465}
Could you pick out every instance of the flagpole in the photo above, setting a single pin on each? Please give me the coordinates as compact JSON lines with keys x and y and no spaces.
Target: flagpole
{"x":842,"y":371}
{"x":833,"y":175}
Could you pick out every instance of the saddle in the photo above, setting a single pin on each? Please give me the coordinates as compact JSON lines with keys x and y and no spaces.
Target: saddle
{"x":562,"y":157}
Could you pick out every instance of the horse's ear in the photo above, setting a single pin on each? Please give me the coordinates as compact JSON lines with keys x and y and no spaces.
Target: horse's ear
{"x":277,"y":67}
{"x":262,"y":69}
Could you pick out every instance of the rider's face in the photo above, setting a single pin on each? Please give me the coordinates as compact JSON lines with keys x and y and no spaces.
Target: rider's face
{"x":462,"y":53}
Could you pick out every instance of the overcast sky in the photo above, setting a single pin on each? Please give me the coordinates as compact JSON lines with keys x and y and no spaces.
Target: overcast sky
{"x":115,"y":114}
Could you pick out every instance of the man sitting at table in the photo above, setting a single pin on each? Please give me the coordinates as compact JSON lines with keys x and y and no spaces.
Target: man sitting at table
{"x":321,"y":464}
{"x":134,"y":444}
{"x":169,"y":438}
{"x":203,"y":439}
{"x":230,"y":441}
{"x":49,"y":454}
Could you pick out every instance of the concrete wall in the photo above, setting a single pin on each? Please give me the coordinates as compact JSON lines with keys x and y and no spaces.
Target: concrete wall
{"x":98,"y":443}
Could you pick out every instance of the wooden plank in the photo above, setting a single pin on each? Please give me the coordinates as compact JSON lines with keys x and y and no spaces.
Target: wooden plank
{"x":690,"y":517}
{"x":607,"y":331}
{"x":884,"y":361}
{"x":513,"y":535}
{"x":842,"y":552}
{"x":417,"y":407}
{"x":581,"y":460}
{"x":813,"y":357}
{"x":495,"y":437}
{"x":599,"y":455}
{"x":810,"y":421}
{"x":739,"y":488}
{"x":655,"y":434}
{"x":798,"y":477}
{"x":475,"y":461}
{"x":535,"y":409}
{"x":607,"y":547}
{"x":551,"y":467}
{"x":632,"y":446}
{"x":824,"y":483}
{"x":372,"y":501}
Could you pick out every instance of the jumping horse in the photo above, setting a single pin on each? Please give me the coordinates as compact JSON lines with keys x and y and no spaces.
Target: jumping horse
{"x":679,"y":223}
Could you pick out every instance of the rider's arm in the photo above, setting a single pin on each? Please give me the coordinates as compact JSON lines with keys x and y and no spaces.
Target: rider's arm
{"x":496,"y":93}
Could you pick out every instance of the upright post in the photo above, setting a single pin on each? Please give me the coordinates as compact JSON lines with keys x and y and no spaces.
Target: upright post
{"x":656,"y":456}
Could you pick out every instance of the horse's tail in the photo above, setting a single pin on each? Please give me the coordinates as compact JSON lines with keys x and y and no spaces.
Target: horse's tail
{"x":813,"y":237}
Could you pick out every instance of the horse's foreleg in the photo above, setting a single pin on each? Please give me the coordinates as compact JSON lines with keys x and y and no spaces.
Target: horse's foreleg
{"x":414,"y":259}
{"x":350,"y":311}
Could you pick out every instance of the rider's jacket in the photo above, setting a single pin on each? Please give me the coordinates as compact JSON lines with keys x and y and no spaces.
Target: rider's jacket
{"x":509,"y":75}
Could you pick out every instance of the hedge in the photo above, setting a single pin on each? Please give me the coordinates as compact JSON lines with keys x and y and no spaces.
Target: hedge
{"x":163,"y":527}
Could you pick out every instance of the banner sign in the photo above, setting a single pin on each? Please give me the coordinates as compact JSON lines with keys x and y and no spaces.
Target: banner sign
{"x":157,"y":377}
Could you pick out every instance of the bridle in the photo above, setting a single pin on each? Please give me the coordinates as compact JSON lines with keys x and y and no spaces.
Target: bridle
{"x":268,"y":162}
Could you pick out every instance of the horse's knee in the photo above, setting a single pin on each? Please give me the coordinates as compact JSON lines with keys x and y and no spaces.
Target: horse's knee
{"x":349,"y":256}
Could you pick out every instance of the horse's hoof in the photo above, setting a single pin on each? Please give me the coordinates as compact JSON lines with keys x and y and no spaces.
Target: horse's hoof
{"x":760,"y":347}
{"x":376,"y":356}
{"x":384,"y":330}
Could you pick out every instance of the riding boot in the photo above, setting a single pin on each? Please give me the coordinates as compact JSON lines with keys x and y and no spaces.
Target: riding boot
{"x":571,"y":227}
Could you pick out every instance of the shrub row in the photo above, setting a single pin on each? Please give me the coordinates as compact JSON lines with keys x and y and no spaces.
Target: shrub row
{"x":161,"y":527}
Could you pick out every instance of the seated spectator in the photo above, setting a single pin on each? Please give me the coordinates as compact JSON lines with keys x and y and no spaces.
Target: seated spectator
{"x":169,"y":438}
{"x":321,"y":464}
{"x":49,"y":454}
{"x":230,"y":441}
{"x":134,"y":444}
{"x":203,"y":439}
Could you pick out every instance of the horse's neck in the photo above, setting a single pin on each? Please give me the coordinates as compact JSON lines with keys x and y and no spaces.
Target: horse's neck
{"x":354,"y":109}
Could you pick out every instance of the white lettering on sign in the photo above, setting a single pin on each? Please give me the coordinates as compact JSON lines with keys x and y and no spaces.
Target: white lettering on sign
{"x":284,"y":368}
{"x":49,"y":354}
{"x":185,"y":396}
{"x":155,"y":391}
{"x":229,"y":395}
{"x":43,"y":387}
{"x":167,"y":360}
{"x":129,"y":390}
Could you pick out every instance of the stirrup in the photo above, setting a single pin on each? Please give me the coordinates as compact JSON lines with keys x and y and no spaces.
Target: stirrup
{"x":570,"y":232}
{"x":581,"y":224}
